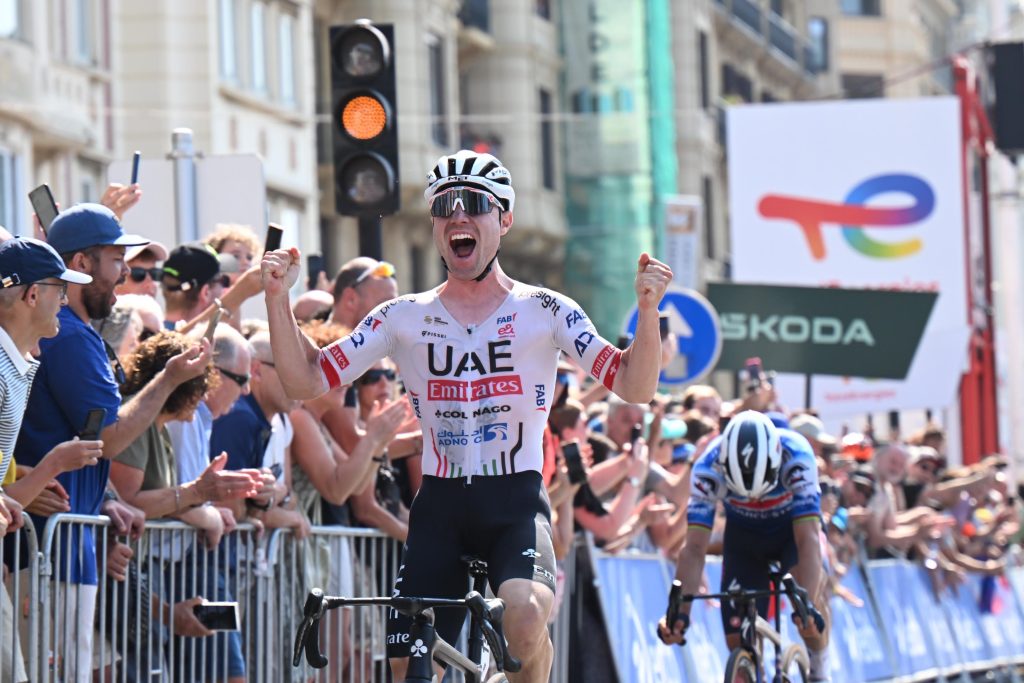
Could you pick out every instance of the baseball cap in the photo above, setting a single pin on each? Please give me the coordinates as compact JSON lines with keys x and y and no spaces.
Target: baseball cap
{"x":859,"y":446}
{"x":24,"y":260}
{"x":926,"y":453}
{"x":192,"y":265}
{"x":88,"y":225}
{"x":158,"y":250}
{"x":863,"y":476}
{"x":811,"y":428}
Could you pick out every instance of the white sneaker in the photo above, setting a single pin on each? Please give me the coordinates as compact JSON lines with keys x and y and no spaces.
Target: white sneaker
{"x":820,"y":671}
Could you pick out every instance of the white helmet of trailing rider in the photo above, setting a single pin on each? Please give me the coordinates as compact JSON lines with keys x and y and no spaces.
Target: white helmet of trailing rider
{"x":751,"y":454}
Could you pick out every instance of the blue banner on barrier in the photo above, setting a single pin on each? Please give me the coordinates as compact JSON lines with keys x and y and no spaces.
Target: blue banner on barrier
{"x":926,"y":634}
{"x":962,"y":609}
{"x":861,"y":635}
{"x":903,"y":622}
{"x":634,"y":592}
{"x":919,"y":595}
{"x":705,"y":641}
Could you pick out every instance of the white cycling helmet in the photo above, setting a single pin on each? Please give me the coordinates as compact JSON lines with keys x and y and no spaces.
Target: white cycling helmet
{"x":751,"y":454}
{"x":466,"y":168}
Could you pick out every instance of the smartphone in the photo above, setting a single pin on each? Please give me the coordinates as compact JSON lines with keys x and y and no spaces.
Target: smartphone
{"x":314,"y":266}
{"x":44,"y":205}
{"x":663,"y":325}
{"x":574,"y":463}
{"x":93,"y":424}
{"x":218,"y":616}
{"x":753,"y":369}
{"x":211,"y":328}
{"x":135,"y":166}
{"x":636,"y":432}
{"x":351,"y":397}
{"x":274,"y":233}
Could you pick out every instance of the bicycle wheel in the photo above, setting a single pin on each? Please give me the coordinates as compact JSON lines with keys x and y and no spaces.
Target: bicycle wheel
{"x":796,"y":667}
{"x":741,"y":667}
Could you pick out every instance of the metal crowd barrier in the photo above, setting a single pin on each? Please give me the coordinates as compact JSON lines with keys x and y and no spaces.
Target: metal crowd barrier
{"x":127,"y":625}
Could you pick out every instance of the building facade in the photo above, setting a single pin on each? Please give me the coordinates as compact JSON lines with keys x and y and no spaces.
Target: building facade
{"x":474,"y":74}
{"x":89,"y":81}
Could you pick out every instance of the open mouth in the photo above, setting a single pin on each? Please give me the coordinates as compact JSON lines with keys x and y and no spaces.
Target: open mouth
{"x":462,"y":244}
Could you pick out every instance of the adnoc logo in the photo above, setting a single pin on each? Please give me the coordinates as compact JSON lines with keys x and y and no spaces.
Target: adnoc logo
{"x":853,"y":216}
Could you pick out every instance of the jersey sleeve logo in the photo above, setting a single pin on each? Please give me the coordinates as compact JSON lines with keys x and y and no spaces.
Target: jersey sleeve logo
{"x":339,"y":356}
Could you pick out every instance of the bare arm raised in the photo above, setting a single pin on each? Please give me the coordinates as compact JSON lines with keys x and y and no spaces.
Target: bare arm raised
{"x":295,"y":355}
{"x":637,"y":379}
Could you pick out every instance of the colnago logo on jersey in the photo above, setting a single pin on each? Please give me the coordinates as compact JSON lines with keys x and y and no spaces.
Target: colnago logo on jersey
{"x":486,"y":433}
{"x":443,"y":362}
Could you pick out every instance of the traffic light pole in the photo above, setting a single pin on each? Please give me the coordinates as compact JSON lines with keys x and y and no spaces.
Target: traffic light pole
{"x":370,"y":241}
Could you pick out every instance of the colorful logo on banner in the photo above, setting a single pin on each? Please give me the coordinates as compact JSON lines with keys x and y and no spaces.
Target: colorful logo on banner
{"x":852,"y":215}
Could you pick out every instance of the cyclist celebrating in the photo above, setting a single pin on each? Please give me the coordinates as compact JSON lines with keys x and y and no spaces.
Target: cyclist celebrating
{"x":767,"y":480}
{"x":478,"y":356}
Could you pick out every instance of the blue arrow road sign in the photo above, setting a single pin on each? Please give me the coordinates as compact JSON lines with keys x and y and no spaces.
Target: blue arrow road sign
{"x":695,"y":324}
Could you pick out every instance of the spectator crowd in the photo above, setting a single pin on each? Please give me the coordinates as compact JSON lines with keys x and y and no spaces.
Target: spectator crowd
{"x":191,"y":423}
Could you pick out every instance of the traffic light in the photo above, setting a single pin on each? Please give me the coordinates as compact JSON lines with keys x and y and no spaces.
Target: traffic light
{"x":365,"y":130}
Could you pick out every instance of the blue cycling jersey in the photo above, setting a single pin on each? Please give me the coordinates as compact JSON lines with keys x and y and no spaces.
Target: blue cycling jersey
{"x":795,"y":497}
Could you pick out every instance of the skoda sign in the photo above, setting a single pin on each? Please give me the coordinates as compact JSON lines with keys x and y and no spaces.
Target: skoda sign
{"x":828,"y":331}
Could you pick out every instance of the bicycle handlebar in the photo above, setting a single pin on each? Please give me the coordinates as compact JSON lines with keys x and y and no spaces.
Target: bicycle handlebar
{"x":802,"y":606}
{"x":488,"y":612}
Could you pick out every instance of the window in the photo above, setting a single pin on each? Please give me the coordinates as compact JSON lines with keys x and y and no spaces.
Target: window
{"x":286,"y":52}
{"x":736,"y":86}
{"x":708,"y":194}
{"x":11,"y":191}
{"x":417,"y":268}
{"x":259,"y":48}
{"x":861,"y":8}
{"x":547,"y":141}
{"x":228,"y":46}
{"x":858,"y":86}
{"x":83,"y":32}
{"x":817,"y":33}
{"x":705,"y":78}
{"x":90,"y":174}
{"x":10,"y":19}
{"x":438,"y":91}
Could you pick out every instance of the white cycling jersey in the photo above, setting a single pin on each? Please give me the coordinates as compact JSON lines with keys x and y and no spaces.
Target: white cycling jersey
{"x":481,"y":393}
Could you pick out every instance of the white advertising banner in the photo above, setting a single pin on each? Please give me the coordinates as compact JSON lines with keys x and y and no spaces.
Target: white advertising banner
{"x":864,"y":193}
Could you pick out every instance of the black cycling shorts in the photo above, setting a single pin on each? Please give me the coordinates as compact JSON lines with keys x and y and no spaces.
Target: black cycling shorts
{"x":746,"y":556}
{"x":505,"y":521}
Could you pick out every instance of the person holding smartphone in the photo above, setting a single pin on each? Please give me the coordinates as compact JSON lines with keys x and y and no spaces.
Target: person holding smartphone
{"x":74,"y":377}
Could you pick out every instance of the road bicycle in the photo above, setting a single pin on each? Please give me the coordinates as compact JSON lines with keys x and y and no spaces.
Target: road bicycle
{"x":745,"y":663}
{"x":485,"y":641}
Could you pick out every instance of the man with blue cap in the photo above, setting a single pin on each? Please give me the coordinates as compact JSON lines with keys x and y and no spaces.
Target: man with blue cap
{"x":33,"y":287}
{"x":75,"y":377}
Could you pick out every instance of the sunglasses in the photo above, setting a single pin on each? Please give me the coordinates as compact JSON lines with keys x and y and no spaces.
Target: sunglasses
{"x":473,"y":202}
{"x":373,"y":376}
{"x":63,"y":287}
{"x":138,"y":274}
{"x":382,"y":269}
{"x":240,"y":380}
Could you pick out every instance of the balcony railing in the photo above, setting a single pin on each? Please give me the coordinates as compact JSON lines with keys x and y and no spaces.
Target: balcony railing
{"x":776,"y":33}
{"x":749,"y":13}
{"x":476,"y":14}
{"x":782,"y":36}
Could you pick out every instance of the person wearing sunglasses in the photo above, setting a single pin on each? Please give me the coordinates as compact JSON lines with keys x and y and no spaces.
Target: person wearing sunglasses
{"x":144,"y":273}
{"x":361,"y":285}
{"x":478,"y":356}
{"x":192,"y":281}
